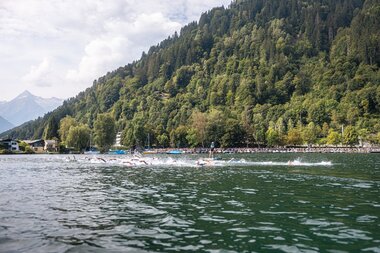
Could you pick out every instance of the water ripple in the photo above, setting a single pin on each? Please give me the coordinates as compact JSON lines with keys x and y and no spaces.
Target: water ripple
{"x":48,"y":204}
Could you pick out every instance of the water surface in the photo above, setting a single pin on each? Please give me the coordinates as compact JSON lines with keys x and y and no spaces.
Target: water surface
{"x":253,"y":203}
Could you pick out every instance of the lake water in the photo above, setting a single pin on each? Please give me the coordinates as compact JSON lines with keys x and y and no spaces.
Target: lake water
{"x":241,"y":203}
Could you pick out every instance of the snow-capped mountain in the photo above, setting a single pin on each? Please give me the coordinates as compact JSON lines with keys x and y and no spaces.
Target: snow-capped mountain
{"x":27,"y":106}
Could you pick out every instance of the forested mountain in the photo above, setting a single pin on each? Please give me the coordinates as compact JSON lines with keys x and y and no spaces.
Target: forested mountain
{"x":268,"y":72}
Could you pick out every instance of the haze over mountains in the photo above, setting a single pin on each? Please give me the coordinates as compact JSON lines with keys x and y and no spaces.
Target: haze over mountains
{"x":5,"y":125}
{"x":23,"y":108}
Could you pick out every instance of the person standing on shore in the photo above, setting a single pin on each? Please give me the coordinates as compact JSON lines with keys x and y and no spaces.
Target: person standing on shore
{"x":212,"y":147}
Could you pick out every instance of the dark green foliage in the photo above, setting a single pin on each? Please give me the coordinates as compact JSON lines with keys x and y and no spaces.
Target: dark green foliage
{"x":259,"y":72}
{"x":79,"y":137}
{"x":104,"y":130}
{"x":51,"y":129}
{"x":234,"y":135}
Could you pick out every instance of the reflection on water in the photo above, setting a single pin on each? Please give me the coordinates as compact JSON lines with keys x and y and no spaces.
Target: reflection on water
{"x":256,"y":203}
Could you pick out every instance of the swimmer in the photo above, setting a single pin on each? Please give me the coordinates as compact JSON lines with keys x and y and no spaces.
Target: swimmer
{"x":101,"y":159}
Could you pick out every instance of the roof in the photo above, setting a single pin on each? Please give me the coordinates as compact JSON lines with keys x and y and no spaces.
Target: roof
{"x":32,"y":141}
{"x":6,"y":140}
{"x":50,"y":141}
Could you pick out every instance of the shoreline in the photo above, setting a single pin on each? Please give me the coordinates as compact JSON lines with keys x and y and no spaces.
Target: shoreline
{"x":296,"y":150}
{"x":343,"y":150}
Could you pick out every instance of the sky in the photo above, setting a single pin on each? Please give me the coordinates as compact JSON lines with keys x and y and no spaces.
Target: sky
{"x":57,"y":48}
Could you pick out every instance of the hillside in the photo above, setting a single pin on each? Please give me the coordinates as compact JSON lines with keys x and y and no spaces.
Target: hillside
{"x":258,"y":72}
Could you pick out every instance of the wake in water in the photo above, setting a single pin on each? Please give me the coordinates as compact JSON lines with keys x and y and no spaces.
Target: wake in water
{"x":140,"y":161}
{"x":296,"y":162}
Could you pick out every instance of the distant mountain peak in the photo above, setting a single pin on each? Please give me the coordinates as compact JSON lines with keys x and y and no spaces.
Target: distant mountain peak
{"x":27,"y":106}
{"x":25,"y":94}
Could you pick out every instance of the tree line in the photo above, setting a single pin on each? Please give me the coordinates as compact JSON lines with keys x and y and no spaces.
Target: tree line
{"x":79,"y":136}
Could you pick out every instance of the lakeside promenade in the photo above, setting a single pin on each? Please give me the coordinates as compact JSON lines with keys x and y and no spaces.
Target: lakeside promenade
{"x":362,"y":150}
{"x":343,"y":150}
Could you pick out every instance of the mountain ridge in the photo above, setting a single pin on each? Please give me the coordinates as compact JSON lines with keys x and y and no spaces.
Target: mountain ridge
{"x":26,"y":107}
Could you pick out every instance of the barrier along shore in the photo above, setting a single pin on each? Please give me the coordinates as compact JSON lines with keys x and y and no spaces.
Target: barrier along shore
{"x":350,"y":150}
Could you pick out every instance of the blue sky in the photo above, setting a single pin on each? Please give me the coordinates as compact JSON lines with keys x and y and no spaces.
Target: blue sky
{"x":56,"y":48}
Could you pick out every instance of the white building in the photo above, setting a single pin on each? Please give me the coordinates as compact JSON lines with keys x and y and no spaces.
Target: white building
{"x":118,"y":140}
{"x":10,"y":144}
{"x":51,"y":146}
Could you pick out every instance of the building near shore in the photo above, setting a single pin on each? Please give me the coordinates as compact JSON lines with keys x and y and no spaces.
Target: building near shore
{"x":36,"y":145}
{"x":51,"y":146}
{"x":10,"y":144}
{"x":118,"y":140}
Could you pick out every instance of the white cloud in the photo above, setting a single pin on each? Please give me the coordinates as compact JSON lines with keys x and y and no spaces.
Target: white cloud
{"x":57,"y":48}
{"x":100,"y":55}
{"x":39,"y":75}
{"x":121,"y":43}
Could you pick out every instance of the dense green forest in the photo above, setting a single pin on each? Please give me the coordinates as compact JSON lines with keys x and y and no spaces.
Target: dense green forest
{"x":260,"y":72}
